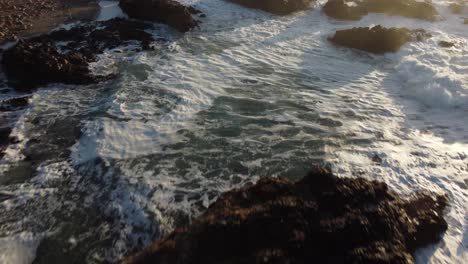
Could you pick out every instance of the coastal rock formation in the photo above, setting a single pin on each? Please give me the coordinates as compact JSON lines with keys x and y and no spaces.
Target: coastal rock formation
{"x":319,"y":219}
{"x":168,"y":12}
{"x":19,"y":18}
{"x":377,"y":39}
{"x":355,"y":10}
{"x":279,"y":7}
{"x":46,"y":59}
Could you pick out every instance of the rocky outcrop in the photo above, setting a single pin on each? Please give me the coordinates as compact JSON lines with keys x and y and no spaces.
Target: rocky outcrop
{"x":319,"y":219}
{"x":168,"y":12}
{"x":355,"y":10}
{"x":377,"y":39}
{"x":45,"y":59}
{"x":279,"y":7}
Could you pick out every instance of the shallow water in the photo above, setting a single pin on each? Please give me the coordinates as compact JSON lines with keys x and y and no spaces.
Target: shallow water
{"x":248,"y":95}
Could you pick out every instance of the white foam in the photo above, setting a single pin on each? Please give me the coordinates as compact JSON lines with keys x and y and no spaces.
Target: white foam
{"x":409,"y":108}
{"x":109,"y":10}
{"x":18,"y":249}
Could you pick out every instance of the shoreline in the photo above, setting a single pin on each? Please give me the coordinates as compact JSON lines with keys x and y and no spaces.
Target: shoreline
{"x":24,"y":18}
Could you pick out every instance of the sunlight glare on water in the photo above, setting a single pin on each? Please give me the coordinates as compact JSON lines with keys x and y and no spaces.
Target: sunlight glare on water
{"x":248,"y":95}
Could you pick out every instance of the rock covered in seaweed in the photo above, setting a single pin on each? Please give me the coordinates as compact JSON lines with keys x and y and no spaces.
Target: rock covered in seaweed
{"x":355,"y":10}
{"x":168,"y":12}
{"x":279,"y":7}
{"x":319,"y":219}
{"x":45,"y":59}
{"x":377,"y":39}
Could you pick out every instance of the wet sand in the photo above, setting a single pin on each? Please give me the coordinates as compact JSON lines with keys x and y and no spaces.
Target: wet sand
{"x":21,"y":18}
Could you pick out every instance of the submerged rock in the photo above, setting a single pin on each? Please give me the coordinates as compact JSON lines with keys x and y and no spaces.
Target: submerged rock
{"x":377,"y":39}
{"x":63,"y":56}
{"x":355,"y":10}
{"x":319,"y":219}
{"x":279,"y":7}
{"x":168,"y":12}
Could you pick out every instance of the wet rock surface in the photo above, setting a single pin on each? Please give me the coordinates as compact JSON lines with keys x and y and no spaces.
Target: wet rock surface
{"x":355,"y":10}
{"x":279,"y":7}
{"x":63,"y":56}
{"x":19,"y":18}
{"x":446,"y":44}
{"x":168,"y":12}
{"x":377,"y":39}
{"x":319,"y":219}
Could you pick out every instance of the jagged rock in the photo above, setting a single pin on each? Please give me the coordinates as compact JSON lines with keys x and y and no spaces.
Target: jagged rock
{"x":377,"y":39}
{"x":40,"y":60}
{"x":319,"y":219}
{"x":355,"y":10}
{"x":168,"y":12}
{"x":279,"y":7}
{"x":446,"y":44}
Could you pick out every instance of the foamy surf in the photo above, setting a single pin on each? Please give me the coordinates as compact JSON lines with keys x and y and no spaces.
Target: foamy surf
{"x":248,"y":95}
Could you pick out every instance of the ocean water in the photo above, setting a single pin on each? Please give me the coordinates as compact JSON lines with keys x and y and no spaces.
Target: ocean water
{"x":114,"y":166}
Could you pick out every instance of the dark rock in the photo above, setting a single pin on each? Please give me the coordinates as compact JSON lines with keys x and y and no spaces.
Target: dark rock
{"x":355,"y":10}
{"x":376,"y":159}
{"x":466,"y":21}
{"x":14,"y":103}
{"x":377,"y":39}
{"x":339,"y":9}
{"x":4,"y":135}
{"x":4,"y":139}
{"x":33,"y":64}
{"x":446,"y":44}
{"x":319,"y":219}
{"x":168,"y":12}
{"x":279,"y":7}
{"x":39,"y":61}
